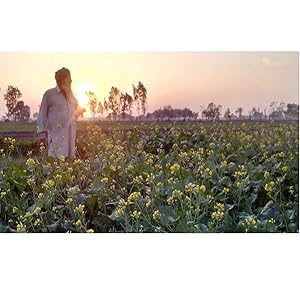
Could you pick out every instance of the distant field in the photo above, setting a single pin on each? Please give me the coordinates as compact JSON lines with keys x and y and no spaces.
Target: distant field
{"x":84,"y":125}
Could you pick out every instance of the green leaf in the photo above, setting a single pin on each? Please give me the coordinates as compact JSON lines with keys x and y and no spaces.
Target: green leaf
{"x":168,"y":213}
{"x":269,"y":211}
{"x":101,"y":219}
{"x":90,"y":202}
{"x":229,"y":207}
{"x":97,"y":184}
{"x":55,"y":227}
{"x":182,"y":226}
{"x":249,"y":201}
{"x":203,"y":228}
{"x":290,"y":214}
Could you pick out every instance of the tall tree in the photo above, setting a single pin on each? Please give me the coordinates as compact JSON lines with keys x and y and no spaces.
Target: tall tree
{"x":105,"y":105}
{"x":228,"y":114}
{"x":129,"y":101}
{"x":92,"y":103}
{"x":100,"y":108}
{"x":136,"y":99}
{"x":26,"y":113}
{"x":11,"y":98}
{"x":239,"y":112}
{"x":292,"y":110}
{"x":114,"y":101}
{"x":277,"y":110}
{"x":18,"y":110}
{"x":212,"y":112}
{"x":123,"y":105}
{"x":21,"y":112}
{"x":140,"y":97}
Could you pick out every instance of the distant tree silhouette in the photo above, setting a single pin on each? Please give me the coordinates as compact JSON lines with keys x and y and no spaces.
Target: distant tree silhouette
{"x":35,"y":115}
{"x":277,"y":110}
{"x":169,"y":113}
{"x":130,"y":101}
{"x":100,"y":108}
{"x":11,"y":98}
{"x":21,"y":112}
{"x":212,"y":112}
{"x":228,"y":114}
{"x":113,"y":103}
{"x":26,"y":113}
{"x":140,"y":97}
{"x":292,"y":110}
{"x":239,"y":112}
{"x":126,"y":102}
{"x":92,"y":103}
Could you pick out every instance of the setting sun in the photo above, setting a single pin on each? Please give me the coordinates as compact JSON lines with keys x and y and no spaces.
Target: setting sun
{"x":80,"y":93}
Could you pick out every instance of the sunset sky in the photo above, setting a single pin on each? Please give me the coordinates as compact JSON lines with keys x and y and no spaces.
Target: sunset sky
{"x":180,"y":79}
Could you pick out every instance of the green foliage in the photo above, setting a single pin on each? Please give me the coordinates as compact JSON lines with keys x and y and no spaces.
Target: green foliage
{"x":216,"y":178}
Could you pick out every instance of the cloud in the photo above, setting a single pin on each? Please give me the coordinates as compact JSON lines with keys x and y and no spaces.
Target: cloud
{"x":266,"y":61}
{"x":270,"y":62}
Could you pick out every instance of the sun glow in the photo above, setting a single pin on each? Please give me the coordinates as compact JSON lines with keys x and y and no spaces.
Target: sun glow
{"x":80,"y":93}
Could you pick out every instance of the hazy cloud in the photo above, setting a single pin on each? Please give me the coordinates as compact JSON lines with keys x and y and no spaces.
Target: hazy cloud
{"x":271,"y":62}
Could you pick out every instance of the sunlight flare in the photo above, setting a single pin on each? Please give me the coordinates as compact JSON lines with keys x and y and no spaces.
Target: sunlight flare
{"x":80,"y":93}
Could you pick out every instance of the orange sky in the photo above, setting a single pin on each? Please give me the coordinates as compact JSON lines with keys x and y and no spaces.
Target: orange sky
{"x":180,"y":79}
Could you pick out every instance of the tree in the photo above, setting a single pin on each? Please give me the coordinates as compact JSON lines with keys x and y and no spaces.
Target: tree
{"x":212,"y":112}
{"x":92,"y":103}
{"x":136,"y":99}
{"x":292,"y":110}
{"x":129,"y":103}
{"x":11,"y":97}
{"x":114,"y":101}
{"x":18,"y":110}
{"x":239,"y":112}
{"x":126,"y":102}
{"x":21,"y":112}
{"x":35,"y":115}
{"x":228,"y":114}
{"x":80,"y":112}
{"x":105,"y":105}
{"x":169,"y":113}
{"x":277,"y":110}
{"x":140,"y":96}
{"x":26,"y":113}
{"x":100,"y":108}
{"x":255,"y":114}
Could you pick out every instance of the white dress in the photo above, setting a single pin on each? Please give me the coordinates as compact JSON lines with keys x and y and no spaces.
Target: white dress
{"x":57,"y":117}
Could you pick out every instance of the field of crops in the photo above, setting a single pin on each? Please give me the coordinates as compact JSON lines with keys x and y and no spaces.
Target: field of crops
{"x":83,"y":125}
{"x":198,"y":178}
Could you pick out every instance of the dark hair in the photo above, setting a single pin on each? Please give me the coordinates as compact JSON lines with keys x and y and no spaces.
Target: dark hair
{"x":62,"y":74}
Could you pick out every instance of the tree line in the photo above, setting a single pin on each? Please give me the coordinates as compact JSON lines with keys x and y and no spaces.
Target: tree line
{"x":120,"y":106}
